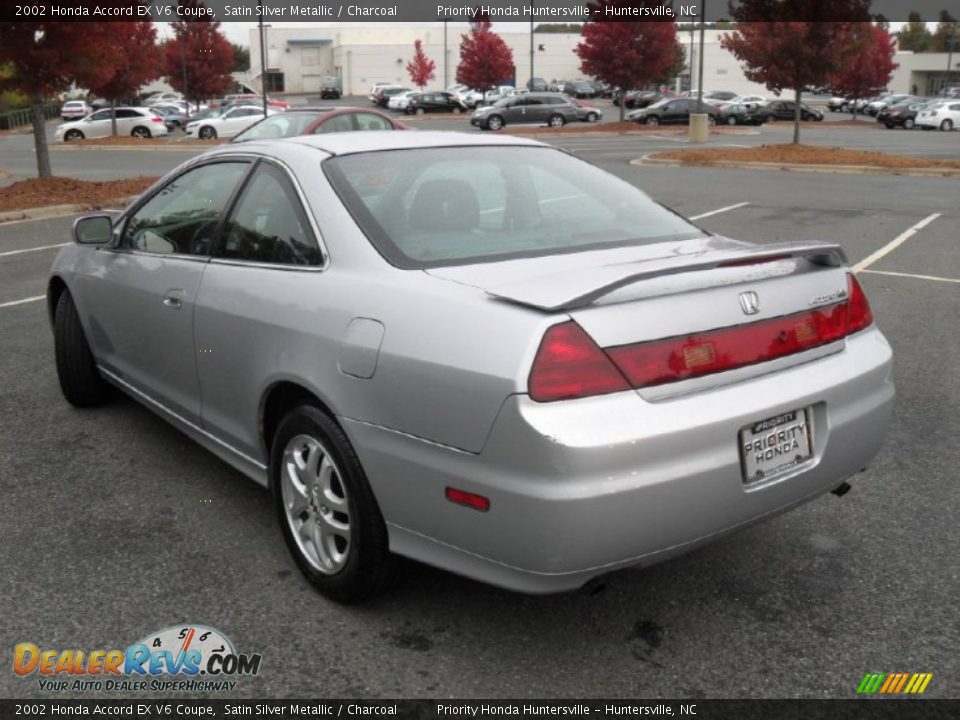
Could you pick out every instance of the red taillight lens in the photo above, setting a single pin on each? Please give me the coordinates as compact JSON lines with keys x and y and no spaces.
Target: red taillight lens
{"x":570,"y":365}
{"x":156,"y":119}
{"x":468,"y":499}
{"x":859,"y":315}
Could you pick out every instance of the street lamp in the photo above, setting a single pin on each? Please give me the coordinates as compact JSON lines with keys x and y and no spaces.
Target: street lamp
{"x":263,"y":58}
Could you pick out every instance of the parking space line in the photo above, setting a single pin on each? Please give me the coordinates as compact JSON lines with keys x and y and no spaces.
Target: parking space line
{"x":22,"y":302}
{"x":30,"y":250}
{"x":894,"y":244}
{"x":911,"y":275}
{"x":718,"y":211}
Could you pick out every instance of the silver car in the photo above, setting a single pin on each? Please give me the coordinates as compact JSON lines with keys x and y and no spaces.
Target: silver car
{"x":481,"y":353}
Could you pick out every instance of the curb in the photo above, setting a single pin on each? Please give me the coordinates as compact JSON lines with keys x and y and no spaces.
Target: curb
{"x":649,"y":160}
{"x":135,"y":148}
{"x":50,"y":212}
{"x":613,"y":133}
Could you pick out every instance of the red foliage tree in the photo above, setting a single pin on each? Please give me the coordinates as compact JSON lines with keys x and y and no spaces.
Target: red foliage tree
{"x":628,"y":54}
{"x":137,"y":63}
{"x":485,"y":59}
{"x":46,"y":58}
{"x":197,"y":61}
{"x":792,"y":55}
{"x":870,"y":68}
{"x":421,"y":68}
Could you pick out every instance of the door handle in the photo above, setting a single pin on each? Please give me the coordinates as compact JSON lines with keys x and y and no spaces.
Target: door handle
{"x":172,"y":302}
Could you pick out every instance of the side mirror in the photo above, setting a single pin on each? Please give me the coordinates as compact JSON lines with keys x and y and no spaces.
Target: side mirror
{"x":93,"y":230}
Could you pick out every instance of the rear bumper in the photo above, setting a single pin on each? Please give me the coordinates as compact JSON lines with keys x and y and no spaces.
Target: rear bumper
{"x":580,"y":488}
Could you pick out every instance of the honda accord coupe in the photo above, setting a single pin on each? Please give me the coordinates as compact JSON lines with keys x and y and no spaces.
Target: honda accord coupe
{"x":480,"y":353}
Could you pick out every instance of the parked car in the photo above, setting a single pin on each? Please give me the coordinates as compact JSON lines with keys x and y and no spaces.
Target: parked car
{"x":537,"y":85}
{"x":136,"y":121}
{"x":875,"y":106}
{"x":904,"y":113}
{"x":409,"y":338}
{"x":253,"y":99}
{"x":839,"y":104}
{"x":717,"y":95}
{"x":786,"y":110}
{"x":945,"y":116}
{"x":751,"y":101}
{"x":601,"y":89}
{"x":162,"y":98}
{"x":733,"y":113}
{"x":226,"y":124}
{"x":74,"y":110}
{"x":372,"y":95}
{"x":401,"y":100}
{"x":382,"y":95}
{"x":672,"y":111}
{"x":469,"y":97}
{"x":318,"y":120}
{"x":434,"y":102}
{"x":587,"y":112}
{"x":551,"y":109}
{"x":173,"y":116}
{"x":330,"y":88}
{"x":582,"y":89}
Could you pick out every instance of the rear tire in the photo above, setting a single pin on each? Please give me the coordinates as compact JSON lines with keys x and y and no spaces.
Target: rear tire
{"x":80,"y":381}
{"x":908,"y":124}
{"x":946,"y":125}
{"x":420,"y":111}
{"x":323,"y":500}
{"x":731,"y":120}
{"x":556,"y":121}
{"x":140,"y":132}
{"x":653,"y":120}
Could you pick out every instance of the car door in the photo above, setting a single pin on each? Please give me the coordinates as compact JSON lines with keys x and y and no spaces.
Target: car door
{"x":139,"y":293}
{"x":97,"y":124}
{"x":128,"y":119}
{"x":239,"y":119}
{"x":261,"y":298}
{"x":514,"y":111}
{"x":535,"y":110}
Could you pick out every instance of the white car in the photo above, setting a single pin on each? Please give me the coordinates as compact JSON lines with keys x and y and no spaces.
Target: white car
{"x":945,"y":116}
{"x":163,"y":97}
{"x":228,"y":124}
{"x":75,"y":110}
{"x":401,"y":101}
{"x":751,"y":101}
{"x":470,"y":98}
{"x":136,"y":121}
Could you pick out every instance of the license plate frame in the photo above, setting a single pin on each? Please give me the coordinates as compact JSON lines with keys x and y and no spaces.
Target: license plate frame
{"x":775,"y":445}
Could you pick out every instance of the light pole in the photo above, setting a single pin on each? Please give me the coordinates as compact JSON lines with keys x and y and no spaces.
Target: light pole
{"x":703,"y":20}
{"x":263,"y":59}
{"x":446,"y":77}
{"x":531,"y":46}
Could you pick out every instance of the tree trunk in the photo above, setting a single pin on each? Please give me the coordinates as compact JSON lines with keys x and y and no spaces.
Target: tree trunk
{"x":113,"y":117}
{"x":39,"y":123}
{"x":623,"y":107}
{"x":796,"y":116}
{"x":853,"y":108}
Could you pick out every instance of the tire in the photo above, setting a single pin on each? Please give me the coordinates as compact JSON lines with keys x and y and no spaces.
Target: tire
{"x":711,"y":121}
{"x":80,"y":381}
{"x":946,"y":125}
{"x":207,"y":133}
{"x":926,"y":127}
{"x":890,"y":126}
{"x":494,"y":122}
{"x":420,"y":111}
{"x":140,"y":132}
{"x":908,"y":124}
{"x":731,"y":120}
{"x":73,"y":135}
{"x":456,"y":111}
{"x":556,"y":121}
{"x":652,"y":120}
{"x":592,"y":117}
{"x":321,"y":492}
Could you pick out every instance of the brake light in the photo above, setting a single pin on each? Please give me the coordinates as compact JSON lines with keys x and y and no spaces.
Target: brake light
{"x":859,"y":314}
{"x":570,"y":365}
{"x":156,"y":119}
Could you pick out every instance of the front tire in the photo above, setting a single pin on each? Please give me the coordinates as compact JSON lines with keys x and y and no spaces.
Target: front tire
{"x":556,"y":121}
{"x":494,"y":122}
{"x":908,"y":124}
{"x":207,"y":133}
{"x":329,"y":516}
{"x":73,"y":135}
{"x":80,"y":381}
{"x":731,"y":120}
{"x":946,"y":125}
{"x":592,"y":117}
{"x":653,"y":120}
{"x":420,"y":111}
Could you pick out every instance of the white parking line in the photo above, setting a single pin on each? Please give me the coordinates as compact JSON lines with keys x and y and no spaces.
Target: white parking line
{"x":22,"y":302}
{"x":718,"y":211}
{"x":30,"y":250}
{"x":894,"y":244}
{"x":911,"y":275}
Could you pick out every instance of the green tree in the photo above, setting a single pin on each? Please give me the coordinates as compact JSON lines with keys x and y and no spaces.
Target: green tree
{"x":914,"y":36}
{"x":241,"y":58}
{"x":946,"y":32}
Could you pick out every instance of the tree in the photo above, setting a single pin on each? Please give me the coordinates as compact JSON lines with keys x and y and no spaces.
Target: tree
{"x":946,"y":32}
{"x":421,"y":68}
{"x":627,"y":54}
{"x":136,"y":64}
{"x":485,"y":59}
{"x":794,"y":55}
{"x":198,"y":59}
{"x":241,"y":58}
{"x":45,"y":58}
{"x":914,"y":36}
{"x":869,"y":69}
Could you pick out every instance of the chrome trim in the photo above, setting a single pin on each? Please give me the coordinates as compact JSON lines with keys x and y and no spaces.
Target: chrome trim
{"x":180,"y":419}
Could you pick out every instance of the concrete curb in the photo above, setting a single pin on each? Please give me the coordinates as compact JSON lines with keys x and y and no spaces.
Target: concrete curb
{"x":613,"y":133}
{"x":50,"y":212}
{"x":649,"y":160}
{"x":136,"y":148}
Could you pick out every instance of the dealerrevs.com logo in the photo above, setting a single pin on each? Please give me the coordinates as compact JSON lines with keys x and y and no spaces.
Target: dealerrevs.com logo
{"x":189,"y":658}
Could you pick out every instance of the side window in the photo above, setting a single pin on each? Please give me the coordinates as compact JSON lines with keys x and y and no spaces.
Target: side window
{"x":268,"y":224}
{"x":123,"y":114}
{"x":369,"y":121}
{"x":100,"y":115}
{"x":534,"y":101}
{"x":338,"y":123}
{"x":183,"y":216}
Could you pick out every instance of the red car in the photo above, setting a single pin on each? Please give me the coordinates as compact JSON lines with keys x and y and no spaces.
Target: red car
{"x":315,"y":120}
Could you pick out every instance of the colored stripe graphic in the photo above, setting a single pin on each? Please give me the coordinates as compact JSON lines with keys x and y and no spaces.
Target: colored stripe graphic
{"x":894,"y":683}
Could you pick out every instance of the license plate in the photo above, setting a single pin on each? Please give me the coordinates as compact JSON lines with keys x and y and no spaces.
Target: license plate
{"x":775,"y":445}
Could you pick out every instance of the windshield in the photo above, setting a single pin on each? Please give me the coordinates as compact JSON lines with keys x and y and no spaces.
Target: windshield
{"x":278,"y":126}
{"x":659,"y":103}
{"x":446,"y":206}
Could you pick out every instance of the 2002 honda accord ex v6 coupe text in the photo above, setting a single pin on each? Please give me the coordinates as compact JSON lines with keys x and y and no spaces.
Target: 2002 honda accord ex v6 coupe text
{"x":480,"y":353}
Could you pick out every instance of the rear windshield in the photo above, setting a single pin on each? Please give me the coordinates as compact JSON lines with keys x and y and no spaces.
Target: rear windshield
{"x":448,"y":206}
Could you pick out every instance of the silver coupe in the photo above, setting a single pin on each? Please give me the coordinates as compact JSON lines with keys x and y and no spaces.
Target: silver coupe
{"x":477,"y":352}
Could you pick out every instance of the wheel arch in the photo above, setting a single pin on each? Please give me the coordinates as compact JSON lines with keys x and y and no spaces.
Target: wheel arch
{"x":279,"y":399}
{"x":56,"y":286}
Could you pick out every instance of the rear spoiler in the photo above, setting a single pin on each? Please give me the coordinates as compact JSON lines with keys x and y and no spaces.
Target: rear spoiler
{"x":571,"y":289}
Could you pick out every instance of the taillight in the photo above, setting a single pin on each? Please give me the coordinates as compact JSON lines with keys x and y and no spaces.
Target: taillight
{"x":859,"y":315}
{"x":570,"y":365}
{"x":156,"y":119}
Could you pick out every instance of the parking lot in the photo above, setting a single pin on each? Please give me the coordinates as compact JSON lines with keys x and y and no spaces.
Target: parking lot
{"x":115,"y":524}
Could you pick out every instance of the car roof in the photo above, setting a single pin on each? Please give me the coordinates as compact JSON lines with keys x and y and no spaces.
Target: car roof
{"x":348,"y":143}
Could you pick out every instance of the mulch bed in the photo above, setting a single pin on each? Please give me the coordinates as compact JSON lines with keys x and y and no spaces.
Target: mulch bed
{"x":803,"y":155}
{"x":41,"y":192}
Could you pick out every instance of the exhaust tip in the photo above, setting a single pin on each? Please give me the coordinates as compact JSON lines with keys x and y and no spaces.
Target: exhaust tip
{"x":841,"y":489}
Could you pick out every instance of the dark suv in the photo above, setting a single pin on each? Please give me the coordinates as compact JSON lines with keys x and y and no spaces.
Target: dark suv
{"x":550,"y":109}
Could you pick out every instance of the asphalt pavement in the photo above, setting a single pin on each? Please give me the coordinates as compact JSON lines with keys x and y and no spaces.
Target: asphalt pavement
{"x":114,"y":524}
